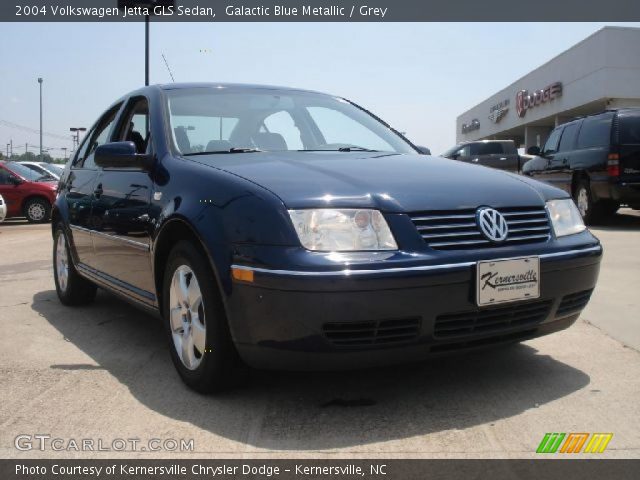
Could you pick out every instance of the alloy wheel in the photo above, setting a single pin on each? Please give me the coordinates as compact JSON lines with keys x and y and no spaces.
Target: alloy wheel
{"x":583,"y":201}
{"x":186,"y":310}
{"x":62,"y":262}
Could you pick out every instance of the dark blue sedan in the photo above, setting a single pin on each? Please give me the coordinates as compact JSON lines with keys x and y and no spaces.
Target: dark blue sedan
{"x":282,"y":228}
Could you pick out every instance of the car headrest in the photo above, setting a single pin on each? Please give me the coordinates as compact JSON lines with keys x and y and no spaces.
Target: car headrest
{"x":182,"y":139}
{"x":218,"y":146}
{"x":270,"y":141}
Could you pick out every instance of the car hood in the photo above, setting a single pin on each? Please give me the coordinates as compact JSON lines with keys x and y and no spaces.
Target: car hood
{"x":389,"y":182}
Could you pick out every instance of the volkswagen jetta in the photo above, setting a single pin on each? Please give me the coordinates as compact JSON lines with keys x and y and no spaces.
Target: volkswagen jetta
{"x":290,"y":229}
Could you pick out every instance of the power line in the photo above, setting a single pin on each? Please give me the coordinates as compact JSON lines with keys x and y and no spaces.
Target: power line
{"x":168,"y":68}
{"x":32,"y":130}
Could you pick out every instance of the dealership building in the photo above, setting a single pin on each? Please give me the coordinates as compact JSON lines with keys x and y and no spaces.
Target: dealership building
{"x":601,"y":72}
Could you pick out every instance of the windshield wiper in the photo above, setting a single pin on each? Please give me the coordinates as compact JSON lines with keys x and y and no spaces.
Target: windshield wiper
{"x":341,"y":149}
{"x":231,"y":150}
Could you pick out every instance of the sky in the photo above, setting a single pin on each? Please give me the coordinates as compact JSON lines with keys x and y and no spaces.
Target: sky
{"x":416,"y":76}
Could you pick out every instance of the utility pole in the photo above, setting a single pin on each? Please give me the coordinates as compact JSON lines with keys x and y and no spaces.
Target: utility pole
{"x":7,"y":151}
{"x":40,"y":82}
{"x":76,"y":136}
{"x":11,"y":150}
{"x":146,"y":50}
{"x":64,"y":149}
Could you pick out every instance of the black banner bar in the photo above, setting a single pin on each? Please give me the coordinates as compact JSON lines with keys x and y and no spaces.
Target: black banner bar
{"x":537,"y":469}
{"x":319,"y":10}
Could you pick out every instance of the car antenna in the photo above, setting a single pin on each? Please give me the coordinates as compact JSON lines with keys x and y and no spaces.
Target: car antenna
{"x":168,"y":69}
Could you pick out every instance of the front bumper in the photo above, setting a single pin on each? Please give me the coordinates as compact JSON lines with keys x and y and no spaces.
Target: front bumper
{"x":326,"y":320}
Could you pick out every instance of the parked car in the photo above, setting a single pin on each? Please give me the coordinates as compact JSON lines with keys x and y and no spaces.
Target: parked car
{"x":290,"y":229}
{"x":26,"y":192}
{"x":596,"y":159}
{"x":44,"y":168}
{"x":3,"y":209}
{"x":501,"y":154}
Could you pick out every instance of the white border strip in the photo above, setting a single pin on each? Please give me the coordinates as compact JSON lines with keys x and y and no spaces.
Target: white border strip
{"x":423,"y":268}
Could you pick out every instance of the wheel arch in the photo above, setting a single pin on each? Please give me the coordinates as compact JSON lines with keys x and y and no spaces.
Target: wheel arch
{"x":171,"y":232}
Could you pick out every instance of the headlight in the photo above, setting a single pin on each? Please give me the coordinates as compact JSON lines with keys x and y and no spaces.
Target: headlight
{"x":340,"y":230}
{"x":565,"y":217}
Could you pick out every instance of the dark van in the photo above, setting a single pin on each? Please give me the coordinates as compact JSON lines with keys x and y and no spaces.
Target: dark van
{"x":501,"y":154}
{"x":596,"y":159}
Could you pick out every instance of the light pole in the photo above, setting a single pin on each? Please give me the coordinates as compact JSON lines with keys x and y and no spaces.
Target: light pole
{"x":76,"y":136}
{"x":40,"y":82}
{"x":64,"y":149}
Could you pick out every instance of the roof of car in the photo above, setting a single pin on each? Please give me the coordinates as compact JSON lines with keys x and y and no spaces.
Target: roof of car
{"x":237,"y":86}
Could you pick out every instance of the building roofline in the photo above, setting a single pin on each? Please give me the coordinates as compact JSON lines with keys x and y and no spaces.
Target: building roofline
{"x":597,"y":32}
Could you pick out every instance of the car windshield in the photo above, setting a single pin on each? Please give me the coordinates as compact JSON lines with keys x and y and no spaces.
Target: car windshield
{"x":221,"y":120}
{"x":26,"y":173}
{"x":55,"y":169}
{"x":451,"y":151}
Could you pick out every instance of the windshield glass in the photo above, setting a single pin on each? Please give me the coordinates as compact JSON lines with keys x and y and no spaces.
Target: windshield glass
{"x":55,"y":169}
{"x":451,"y":151}
{"x":223,"y":120}
{"x":26,"y":172}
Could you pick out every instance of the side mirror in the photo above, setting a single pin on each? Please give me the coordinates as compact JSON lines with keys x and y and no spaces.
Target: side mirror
{"x":423,"y":150}
{"x":15,"y":180}
{"x":122,"y":155}
{"x":534,"y":150}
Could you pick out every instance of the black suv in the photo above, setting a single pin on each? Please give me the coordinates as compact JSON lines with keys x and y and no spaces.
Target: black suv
{"x":500,"y":154}
{"x":596,"y":159}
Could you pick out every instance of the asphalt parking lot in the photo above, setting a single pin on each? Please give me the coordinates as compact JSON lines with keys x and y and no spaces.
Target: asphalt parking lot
{"x":103,"y":372}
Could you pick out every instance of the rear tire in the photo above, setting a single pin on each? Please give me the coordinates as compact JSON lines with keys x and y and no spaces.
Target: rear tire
{"x":196,"y":324}
{"x":72,"y":289}
{"x":590,"y":210}
{"x":37,"y":210}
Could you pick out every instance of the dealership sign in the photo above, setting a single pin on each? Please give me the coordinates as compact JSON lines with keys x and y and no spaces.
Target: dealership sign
{"x":471,"y":126}
{"x":497,"y":112}
{"x":526,"y":100}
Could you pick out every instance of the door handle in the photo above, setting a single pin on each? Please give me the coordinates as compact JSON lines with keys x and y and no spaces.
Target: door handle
{"x":98,"y":191}
{"x":503,"y":158}
{"x":475,"y":160}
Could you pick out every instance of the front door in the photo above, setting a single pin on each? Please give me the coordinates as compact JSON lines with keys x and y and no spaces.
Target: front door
{"x":121,"y":209}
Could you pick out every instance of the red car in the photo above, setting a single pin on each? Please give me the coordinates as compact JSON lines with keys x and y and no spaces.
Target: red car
{"x":27,"y":193}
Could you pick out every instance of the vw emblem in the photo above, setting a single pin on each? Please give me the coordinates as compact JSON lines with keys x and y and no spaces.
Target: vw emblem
{"x":492,"y":224}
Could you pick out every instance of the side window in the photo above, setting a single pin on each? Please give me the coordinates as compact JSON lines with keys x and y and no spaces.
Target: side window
{"x":82,"y":151}
{"x":464,"y":151}
{"x":568,"y":139}
{"x":135,"y":124}
{"x":488,"y":148}
{"x":552,"y":142}
{"x":4,"y":177}
{"x":595,"y":131}
{"x":283,"y":125}
{"x":98,"y":136}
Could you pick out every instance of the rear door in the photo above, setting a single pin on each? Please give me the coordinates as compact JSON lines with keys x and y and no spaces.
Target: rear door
{"x":121,"y":209}
{"x":627,"y":142}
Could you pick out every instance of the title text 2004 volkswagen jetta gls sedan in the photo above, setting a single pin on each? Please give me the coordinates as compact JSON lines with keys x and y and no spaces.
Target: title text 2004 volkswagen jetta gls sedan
{"x":289,"y":229}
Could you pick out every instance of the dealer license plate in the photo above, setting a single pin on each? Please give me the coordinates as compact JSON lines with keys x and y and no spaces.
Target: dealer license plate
{"x":503,"y":281}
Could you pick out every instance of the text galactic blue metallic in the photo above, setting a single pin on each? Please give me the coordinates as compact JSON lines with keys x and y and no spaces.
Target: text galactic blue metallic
{"x":289,"y":229}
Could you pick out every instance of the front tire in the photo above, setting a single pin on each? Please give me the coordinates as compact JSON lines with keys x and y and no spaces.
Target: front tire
{"x":37,"y":210}
{"x":71,"y":288}
{"x":195,"y":322}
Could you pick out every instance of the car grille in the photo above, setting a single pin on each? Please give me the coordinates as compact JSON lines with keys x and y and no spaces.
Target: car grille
{"x":573,"y":303}
{"x":457,"y":229}
{"x":493,"y":319}
{"x":372,"y":332}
